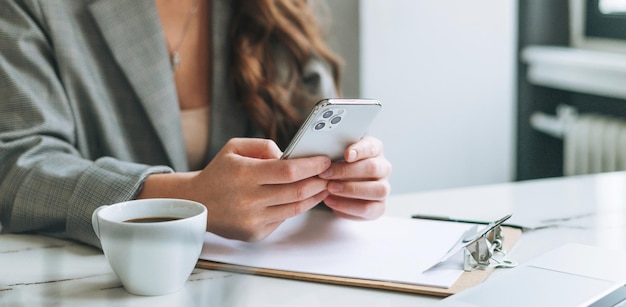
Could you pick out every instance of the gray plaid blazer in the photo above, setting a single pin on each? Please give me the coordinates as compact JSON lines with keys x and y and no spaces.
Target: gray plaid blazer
{"x":88,"y":108}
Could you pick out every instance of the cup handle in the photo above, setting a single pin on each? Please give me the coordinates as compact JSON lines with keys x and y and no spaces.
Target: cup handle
{"x":94,"y":220}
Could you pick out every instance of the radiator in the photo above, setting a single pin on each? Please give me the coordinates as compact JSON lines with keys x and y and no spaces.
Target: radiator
{"x":591,"y":143}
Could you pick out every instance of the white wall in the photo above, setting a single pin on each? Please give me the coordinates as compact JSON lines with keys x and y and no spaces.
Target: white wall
{"x":444,"y":71}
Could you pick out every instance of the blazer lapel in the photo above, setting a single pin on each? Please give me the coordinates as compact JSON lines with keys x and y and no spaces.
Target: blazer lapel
{"x":228,"y":118}
{"x":133,"y":33}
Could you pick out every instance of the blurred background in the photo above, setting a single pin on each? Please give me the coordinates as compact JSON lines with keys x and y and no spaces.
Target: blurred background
{"x":444,"y":71}
{"x":488,"y":91}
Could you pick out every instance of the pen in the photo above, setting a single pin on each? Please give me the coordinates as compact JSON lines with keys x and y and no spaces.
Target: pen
{"x":445,"y":218}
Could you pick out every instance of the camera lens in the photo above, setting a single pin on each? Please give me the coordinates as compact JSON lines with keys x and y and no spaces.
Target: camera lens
{"x":319,"y":126}
{"x":335,"y":120}
{"x":327,"y":114}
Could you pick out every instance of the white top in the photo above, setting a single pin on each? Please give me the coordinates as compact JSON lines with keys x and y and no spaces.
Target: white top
{"x":195,"y":124}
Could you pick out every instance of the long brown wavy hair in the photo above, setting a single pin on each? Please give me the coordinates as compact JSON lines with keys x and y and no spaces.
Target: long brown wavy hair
{"x":261,"y":29}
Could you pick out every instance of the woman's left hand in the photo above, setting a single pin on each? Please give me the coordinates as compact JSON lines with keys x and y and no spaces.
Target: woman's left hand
{"x":359,"y":185}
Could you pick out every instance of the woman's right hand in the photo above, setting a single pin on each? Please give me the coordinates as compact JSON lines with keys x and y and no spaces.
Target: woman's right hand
{"x":248,"y":190}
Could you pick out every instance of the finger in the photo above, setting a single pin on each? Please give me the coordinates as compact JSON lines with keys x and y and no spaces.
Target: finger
{"x":355,"y":208}
{"x":373,"y":169}
{"x":285,"y":211}
{"x":367,"y":147}
{"x":293,"y":192}
{"x":273,"y":216}
{"x":365,"y":190}
{"x":279,"y":171}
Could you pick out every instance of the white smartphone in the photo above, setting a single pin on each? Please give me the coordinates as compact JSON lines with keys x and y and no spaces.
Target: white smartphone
{"x":333,"y":125}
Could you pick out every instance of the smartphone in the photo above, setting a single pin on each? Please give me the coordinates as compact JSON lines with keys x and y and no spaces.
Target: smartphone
{"x":331,"y":126}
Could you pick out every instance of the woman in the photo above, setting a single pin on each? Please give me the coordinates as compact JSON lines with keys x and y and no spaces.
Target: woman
{"x":105,"y":101}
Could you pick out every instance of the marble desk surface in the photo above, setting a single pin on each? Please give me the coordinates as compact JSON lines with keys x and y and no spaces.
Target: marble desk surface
{"x":38,"y":270}
{"x":43,"y":271}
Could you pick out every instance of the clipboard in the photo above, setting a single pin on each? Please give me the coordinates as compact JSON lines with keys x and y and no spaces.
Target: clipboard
{"x":467,"y":280}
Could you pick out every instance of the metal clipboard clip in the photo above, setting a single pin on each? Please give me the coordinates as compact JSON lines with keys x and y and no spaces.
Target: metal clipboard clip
{"x":482,"y":248}
{"x":485,"y":248}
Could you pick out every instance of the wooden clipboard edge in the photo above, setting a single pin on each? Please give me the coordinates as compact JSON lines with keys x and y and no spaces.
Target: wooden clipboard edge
{"x":467,"y":279}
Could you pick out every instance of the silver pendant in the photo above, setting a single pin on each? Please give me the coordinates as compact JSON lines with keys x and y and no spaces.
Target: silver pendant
{"x":175,"y":60}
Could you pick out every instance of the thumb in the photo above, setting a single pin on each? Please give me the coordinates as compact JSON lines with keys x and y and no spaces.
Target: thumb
{"x":254,"y":148}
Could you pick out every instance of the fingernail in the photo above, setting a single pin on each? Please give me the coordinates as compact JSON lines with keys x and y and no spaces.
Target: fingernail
{"x":352,"y":155}
{"x":335,"y":187}
{"x":327,"y":173}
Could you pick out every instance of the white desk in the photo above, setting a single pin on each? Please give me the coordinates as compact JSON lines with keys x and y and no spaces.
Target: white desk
{"x":38,"y":270}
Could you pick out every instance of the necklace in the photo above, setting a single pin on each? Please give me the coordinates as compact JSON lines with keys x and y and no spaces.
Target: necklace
{"x":175,"y":58}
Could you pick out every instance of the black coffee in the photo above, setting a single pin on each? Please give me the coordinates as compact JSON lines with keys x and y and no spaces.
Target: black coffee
{"x":155,"y":219}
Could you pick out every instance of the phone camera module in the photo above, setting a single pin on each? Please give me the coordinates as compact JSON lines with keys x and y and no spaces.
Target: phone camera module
{"x":319,"y":126}
{"x":328,"y":114}
{"x":335,"y":120}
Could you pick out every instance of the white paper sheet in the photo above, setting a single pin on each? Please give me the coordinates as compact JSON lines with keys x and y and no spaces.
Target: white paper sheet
{"x":387,"y":249}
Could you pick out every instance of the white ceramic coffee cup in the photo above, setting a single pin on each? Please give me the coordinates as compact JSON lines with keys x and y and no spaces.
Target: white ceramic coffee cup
{"x":153,"y":258}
